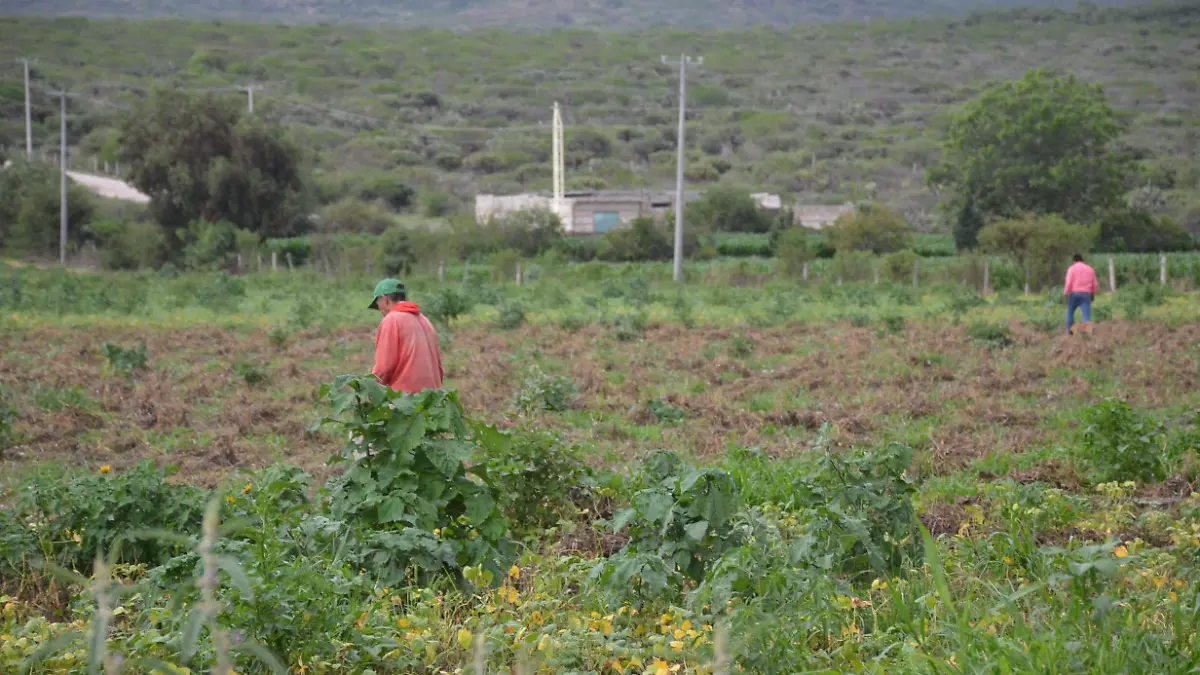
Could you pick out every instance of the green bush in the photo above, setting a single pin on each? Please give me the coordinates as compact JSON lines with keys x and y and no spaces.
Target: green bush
{"x":447,"y":305}
{"x":125,"y":361}
{"x":874,"y":228}
{"x":726,"y":209}
{"x":795,"y":248}
{"x":395,"y":251}
{"x":991,"y":335}
{"x":208,"y":246}
{"x":898,"y":266}
{"x":741,"y":346}
{"x":512,"y":316}
{"x":407,"y":503}
{"x":537,"y":477}
{"x":126,"y":245}
{"x":1122,"y":443}
{"x":666,"y":413}
{"x":75,"y":518}
{"x":539,"y":390}
{"x":627,"y":327}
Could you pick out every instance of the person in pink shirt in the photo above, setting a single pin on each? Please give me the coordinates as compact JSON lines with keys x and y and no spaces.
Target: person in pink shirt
{"x":1080,"y":291}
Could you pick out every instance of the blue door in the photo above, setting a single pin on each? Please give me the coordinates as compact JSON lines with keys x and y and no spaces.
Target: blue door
{"x":604,"y":221}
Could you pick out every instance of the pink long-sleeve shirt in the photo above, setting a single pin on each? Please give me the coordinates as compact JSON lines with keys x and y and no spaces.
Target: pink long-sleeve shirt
{"x":1081,"y":278}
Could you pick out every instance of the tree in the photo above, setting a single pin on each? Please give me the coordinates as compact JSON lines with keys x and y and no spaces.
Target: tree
{"x":30,"y":209}
{"x":726,"y":209}
{"x":1137,"y":231}
{"x":1041,"y":246}
{"x":874,"y":228}
{"x":200,"y":161}
{"x":1041,"y":144}
{"x":532,"y":231}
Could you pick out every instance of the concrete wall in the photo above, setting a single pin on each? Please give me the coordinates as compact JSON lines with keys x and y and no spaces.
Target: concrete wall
{"x":584,"y":212}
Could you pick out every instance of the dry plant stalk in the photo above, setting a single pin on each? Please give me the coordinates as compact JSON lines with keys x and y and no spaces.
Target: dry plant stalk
{"x":210,"y":607}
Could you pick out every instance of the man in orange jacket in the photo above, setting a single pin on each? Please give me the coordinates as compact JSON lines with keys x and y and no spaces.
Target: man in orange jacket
{"x":1080,"y":292}
{"x":407,"y":357}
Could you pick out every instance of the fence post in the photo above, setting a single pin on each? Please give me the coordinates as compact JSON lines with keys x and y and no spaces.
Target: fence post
{"x":239,"y":263}
{"x":518,"y":274}
{"x":987,"y":271}
{"x":288,"y":255}
{"x":876,"y":266}
{"x":916,"y":272}
{"x":274,"y":260}
{"x":442,"y":270}
{"x":1112,"y":275}
{"x":1162,"y":269}
{"x":804,"y":272}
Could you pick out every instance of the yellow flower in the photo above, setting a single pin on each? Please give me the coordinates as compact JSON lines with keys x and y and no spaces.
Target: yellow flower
{"x":77,"y":538}
{"x":677,"y":645}
{"x":1008,"y":560}
{"x":230,"y":499}
{"x":106,"y":469}
{"x":1120,"y":551}
{"x":514,"y":572}
{"x":403,"y":622}
{"x":248,"y":488}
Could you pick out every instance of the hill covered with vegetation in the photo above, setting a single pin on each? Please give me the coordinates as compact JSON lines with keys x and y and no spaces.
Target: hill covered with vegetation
{"x":520,"y":14}
{"x":822,"y":113}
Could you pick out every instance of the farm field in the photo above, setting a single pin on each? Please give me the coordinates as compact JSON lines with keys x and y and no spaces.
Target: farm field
{"x":859,"y":477}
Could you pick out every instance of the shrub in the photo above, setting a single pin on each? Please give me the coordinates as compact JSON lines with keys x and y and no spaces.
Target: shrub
{"x":726,"y":209}
{"x":894,"y":323}
{"x":537,"y":477}
{"x":512,"y":316}
{"x":991,"y":335}
{"x":448,"y":304}
{"x":874,"y":228}
{"x":504,"y":265}
{"x":8,"y":420}
{"x":1040,"y":246}
{"x":128,"y":245}
{"x":125,"y":361}
{"x":642,"y":240}
{"x":207,"y":246}
{"x":78,"y":517}
{"x":794,"y":248}
{"x":355,"y":215}
{"x":407,"y":499}
{"x":679,"y":523}
{"x":898,"y":266}
{"x":1121,"y":443}
{"x":860,"y":510}
{"x":539,"y":390}
{"x":395,"y":251}
{"x":531,"y":232}
{"x":627,"y":327}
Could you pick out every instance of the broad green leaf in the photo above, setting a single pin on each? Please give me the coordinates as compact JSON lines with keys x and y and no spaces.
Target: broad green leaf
{"x":697,"y":530}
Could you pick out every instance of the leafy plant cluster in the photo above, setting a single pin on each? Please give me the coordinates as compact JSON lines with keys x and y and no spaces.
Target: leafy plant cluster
{"x":1120,"y":442}
{"x":541,"y":391}
{"x":125,"y":361}
{"x":406,"y":488}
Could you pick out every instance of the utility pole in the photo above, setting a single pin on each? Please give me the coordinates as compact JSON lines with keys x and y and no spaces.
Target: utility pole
{"x":558,"y":170}
{"x":28,"y":115}
{"x":684,"y":62}
{"x":62,"y":175}
{"x":250,"y":92}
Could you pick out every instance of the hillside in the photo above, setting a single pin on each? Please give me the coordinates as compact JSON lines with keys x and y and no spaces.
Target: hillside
{"x":519,"y":14}
{"x":824,"y":113}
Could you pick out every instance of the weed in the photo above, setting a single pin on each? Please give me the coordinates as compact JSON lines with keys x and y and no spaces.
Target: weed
{"x":666,"y":413}
{"x":251,"y":373}
{"x":537,"y":477}
{"x":990,"y":335}
{"x":540,"y":390}
{"x":894,"y":323}
{"x":741,"y":346}
{"x":60,"y":398}
{"x":859,"y":320}
{"x":573,"y":323}
{"x":627,"y":327}
{"x":8,"y":419}
{"x":512,"y":316}
{"x":125,"y":361}
{"x":278,"y":337}
{"x":1121,"y":442}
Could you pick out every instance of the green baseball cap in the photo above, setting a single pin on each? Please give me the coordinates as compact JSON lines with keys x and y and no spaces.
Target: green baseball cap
{"x":385,"y":287}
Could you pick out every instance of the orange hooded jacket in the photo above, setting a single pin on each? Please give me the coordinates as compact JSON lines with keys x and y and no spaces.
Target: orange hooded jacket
{"x":407,"y":357}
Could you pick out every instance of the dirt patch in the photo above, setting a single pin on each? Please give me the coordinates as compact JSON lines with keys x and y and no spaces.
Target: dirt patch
{"x":943,"y":518}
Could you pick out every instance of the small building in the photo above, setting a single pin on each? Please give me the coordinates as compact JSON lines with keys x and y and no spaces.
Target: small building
{"x":598,"y":211}
{"x":820,"y":217}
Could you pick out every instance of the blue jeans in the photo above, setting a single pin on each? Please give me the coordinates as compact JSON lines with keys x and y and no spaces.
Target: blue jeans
{"x":1078,"y":301}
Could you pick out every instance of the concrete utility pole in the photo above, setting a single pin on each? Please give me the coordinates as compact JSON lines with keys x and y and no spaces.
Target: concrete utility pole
{"x":28,"y":115}
{"x":250,"y":93}
{"x":62,"y":174}
{"x":684,"y":62}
